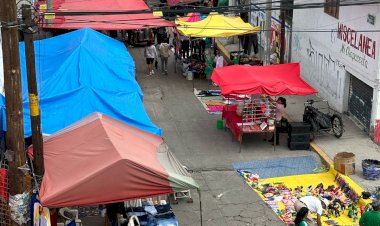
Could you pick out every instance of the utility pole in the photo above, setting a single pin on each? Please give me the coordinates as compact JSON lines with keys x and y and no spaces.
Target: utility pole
{"x":282,"y":41}
{"x":268,"y":28}
{"x":33,"y":92}
{"x":13,"y":97}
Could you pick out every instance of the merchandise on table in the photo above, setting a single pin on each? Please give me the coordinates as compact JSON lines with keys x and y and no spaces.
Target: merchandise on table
{"x":345,"y":206}
{"x":255,"y":115}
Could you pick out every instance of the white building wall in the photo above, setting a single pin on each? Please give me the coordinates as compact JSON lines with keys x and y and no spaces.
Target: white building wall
{"x":326,"y":58}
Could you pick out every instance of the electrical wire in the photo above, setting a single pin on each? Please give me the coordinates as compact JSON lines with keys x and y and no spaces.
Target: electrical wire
{"x":208,"y":27}
{"x":222,"y":9}
{"x":135,"y":21}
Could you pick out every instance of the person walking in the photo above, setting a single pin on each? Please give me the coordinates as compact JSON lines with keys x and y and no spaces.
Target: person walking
{"x":314,"y":205}
{"x":371,"y":218}
{"x":150,"y":54}
{"x":301,"y":217}
{"x":164,"y":55}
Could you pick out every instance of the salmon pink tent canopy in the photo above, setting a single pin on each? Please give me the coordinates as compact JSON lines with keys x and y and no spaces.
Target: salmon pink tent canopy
{"x":273,"y":80}
{"x":101,"y":160}
{"x":105,"y":22}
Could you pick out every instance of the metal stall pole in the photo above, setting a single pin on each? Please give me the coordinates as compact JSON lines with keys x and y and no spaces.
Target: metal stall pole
{"x":275,"y":129}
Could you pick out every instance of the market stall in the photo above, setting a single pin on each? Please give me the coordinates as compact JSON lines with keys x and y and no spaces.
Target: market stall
{"x":215,"y":25}
{"x":132,"y":21}
{"x":346,"y":203}
{"x":118,"y":158}
{"x":256,"y":115}
{"x":100,"y":160}
{"x":273,"y":80}
{"x":108,"y":86}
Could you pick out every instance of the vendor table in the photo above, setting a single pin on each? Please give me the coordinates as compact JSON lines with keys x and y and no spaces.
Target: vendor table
{"x":237,"y":125}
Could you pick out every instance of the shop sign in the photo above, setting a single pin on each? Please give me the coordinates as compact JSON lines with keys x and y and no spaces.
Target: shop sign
{"x":356,"y":40}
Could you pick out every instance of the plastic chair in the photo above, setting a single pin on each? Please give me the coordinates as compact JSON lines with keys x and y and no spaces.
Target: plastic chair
{"x":64,"y":212}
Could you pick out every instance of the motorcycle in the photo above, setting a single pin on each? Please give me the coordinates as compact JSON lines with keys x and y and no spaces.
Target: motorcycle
{"x":320,"y":121}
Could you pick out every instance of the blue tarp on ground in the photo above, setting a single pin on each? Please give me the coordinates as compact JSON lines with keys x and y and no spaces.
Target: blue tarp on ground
{"x":279,"y":167}
{"x":79,"y":73}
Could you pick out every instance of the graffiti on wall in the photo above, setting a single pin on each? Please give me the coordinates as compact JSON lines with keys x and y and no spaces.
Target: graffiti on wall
{"x":326,"y":71}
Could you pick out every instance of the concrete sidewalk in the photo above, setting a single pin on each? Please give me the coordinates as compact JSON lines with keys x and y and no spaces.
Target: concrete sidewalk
{"x":353,"y":140}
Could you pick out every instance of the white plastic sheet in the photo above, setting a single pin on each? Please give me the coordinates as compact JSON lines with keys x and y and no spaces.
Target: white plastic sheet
{"x":19,"y":205}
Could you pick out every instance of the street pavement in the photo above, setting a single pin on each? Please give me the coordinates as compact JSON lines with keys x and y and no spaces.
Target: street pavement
{"x":208,"y":152}
{"x":192,"y":135}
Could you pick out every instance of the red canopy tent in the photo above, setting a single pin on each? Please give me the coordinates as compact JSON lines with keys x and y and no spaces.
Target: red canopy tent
{"x":105,"y":22}
{"x":273,"y":80}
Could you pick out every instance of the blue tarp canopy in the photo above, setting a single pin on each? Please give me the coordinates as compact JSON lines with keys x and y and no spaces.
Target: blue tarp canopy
{"x":79,"y":73}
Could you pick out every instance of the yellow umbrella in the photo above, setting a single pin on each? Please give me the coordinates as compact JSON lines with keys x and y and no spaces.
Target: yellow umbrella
{"x":216,"y":25}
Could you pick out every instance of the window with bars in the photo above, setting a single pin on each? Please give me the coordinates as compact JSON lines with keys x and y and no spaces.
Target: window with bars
{"x":332,"y":8}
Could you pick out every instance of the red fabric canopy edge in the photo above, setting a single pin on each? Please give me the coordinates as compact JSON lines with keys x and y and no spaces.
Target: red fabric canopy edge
{"x":273,"y":80}
{"x":104,"y":22}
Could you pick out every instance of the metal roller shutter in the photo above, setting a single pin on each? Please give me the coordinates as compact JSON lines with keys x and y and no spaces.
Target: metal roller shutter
{"x":360,"y":101}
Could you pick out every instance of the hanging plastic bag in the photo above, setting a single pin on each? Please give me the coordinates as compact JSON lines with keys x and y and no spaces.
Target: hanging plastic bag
{"x":19,"y":205}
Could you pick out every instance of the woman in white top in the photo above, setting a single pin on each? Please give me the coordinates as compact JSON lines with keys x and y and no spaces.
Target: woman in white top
{"x":218,"y":60}
{"x":150,"y":54}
